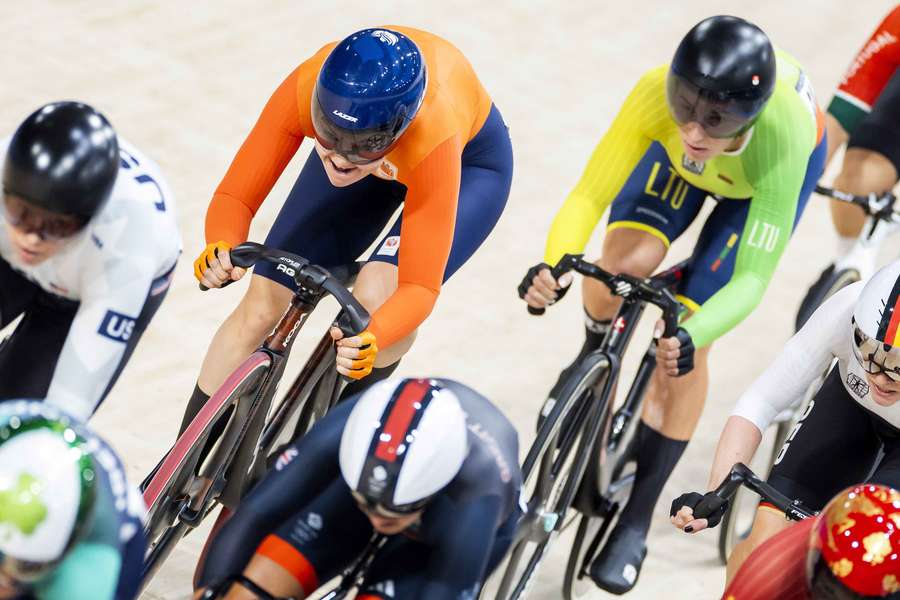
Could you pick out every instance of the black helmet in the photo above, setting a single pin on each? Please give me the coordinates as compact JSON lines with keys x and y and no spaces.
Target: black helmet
{"x":63,"y":158}
{"x":721,"y":76}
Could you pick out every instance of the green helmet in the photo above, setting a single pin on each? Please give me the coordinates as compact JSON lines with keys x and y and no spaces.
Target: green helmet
{"x":48,"y":488}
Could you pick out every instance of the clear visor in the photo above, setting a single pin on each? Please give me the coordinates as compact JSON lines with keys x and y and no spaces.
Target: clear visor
{"x":874,"y":356}
{"x":718,"y":118}
{"x":393,"y":512}
{"x":359,"y":146}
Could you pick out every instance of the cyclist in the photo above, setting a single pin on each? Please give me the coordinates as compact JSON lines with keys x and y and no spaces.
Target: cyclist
{"x":729,"y":116}
{"x":429,"y":462}
{"x":852,"y":420}
{"x":847,"y":552}
{"x":71,"y":524}
{"x":88,"y":244}
{"x":865,"y":114}
{"x":398,"y":117}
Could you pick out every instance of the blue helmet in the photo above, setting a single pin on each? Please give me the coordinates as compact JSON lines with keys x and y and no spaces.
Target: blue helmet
{"x":368,"y":91}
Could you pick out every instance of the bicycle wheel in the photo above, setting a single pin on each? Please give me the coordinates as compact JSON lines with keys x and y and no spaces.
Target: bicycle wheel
{"x":828,"y":283}
{"x":738,"y":518}
{"x":170,"y":491}
{"x":547,"y":471}
{"x":604,"y":491}
{"x":306,"y":401}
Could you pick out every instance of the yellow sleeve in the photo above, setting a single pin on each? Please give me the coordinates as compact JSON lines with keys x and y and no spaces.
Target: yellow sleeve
{"x":618,"y":152}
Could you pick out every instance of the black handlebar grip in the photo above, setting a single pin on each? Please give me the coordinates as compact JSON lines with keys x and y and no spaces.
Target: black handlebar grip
{"x":246,"y":255}
{"x":670,"y":314}
{"x":536,"y":311}
{"x":354,"y":317}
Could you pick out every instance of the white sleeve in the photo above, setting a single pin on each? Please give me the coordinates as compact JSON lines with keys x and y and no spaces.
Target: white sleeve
{"x":99,"y":335}
{"x":804,"y":357}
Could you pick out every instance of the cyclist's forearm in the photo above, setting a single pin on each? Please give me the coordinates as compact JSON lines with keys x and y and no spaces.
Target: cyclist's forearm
{"x":737,"y":444}
{"x":728,"y":307}
{"x":402,"y":313}
{"x":837,"y":135}
{"x":572,"y":226}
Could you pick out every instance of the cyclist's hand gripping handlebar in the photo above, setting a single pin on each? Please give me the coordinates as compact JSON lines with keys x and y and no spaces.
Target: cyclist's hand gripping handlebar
{"x":561,"y":268}
{"x":354,"y":318}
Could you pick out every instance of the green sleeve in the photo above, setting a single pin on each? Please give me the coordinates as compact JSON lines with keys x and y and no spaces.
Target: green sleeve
{"x":89,"y":572}
{"x":775,"y":162}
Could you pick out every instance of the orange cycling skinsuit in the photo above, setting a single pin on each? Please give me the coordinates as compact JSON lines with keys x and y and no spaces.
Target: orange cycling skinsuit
{"x":451,"y":170}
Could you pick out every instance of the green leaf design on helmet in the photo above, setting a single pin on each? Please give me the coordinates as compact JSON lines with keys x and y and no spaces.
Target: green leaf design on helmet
{"x":21,"y":506}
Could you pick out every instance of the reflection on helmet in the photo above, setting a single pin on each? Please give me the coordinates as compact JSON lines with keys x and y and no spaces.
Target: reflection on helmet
{"x":721,"y":76}
{"x":404,"y":441}
{"x":48,"y":486}
{"x":368,"y":91}
{"x":63,"y":158}
{"x":876,"y":323}
{"x":855,"y":545}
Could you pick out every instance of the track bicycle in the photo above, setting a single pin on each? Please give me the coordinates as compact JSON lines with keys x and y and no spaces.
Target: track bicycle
{"x":239,"y":431}
{"x":883,"y":219}
{"x":580,"y":466}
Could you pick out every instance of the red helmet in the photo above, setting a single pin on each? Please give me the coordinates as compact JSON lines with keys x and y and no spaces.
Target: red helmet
{"x":855,"y":545}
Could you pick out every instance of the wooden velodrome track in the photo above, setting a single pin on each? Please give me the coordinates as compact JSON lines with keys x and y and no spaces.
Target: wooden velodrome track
{"x":185,"y":81}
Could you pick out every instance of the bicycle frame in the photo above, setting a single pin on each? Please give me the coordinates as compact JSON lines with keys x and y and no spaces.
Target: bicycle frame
{"x":882,"y":220}
{"x":238,"y":454}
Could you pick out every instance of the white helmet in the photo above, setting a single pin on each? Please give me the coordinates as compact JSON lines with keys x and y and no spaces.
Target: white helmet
{"x":48,"y":486}
{"x":404,"y":441}
{"x":876,"y":323}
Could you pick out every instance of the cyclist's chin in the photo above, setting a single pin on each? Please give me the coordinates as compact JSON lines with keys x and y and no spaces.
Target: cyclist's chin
{"x":884,"y":395}
{"x":32,"y":255}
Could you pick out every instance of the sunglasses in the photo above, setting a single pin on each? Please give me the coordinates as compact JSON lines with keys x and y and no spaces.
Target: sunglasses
{"x":48,"y":226}
{"x":874,"y":356}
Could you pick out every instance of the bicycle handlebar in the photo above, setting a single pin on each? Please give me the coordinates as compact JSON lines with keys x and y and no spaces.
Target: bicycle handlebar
{"x":741,"y":474}
{"x":354,"y":318}
{"x":622,"y":285}
{"x":880,"y":206}
{"x":219,"y":590}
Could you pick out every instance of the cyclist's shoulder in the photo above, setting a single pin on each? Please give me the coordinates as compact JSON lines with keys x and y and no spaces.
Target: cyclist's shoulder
{"x":493,"y":442}
{"x":478,"y":407}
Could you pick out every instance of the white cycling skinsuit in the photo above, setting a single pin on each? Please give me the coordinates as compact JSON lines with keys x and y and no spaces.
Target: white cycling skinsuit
{"x":84,"y":308}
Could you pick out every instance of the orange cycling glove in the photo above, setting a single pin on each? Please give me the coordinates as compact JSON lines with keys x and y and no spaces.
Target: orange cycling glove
{"x":362,"y":365}
{"x":210,"y":252}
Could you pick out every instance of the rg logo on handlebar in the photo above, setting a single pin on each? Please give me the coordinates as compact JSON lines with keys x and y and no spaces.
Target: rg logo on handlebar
{"x":285,"y":269}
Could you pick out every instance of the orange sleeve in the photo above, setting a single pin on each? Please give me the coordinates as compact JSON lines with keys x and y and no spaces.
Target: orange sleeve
{"x":258,"y":164}
{"x":429,"y":217}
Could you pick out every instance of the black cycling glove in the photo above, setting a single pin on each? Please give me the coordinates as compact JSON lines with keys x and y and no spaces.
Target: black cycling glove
{"x":705,"y":506}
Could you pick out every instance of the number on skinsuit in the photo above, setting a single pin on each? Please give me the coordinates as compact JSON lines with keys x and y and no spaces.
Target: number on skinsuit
{"x":793,"y":434}
{"x":129,"y":162}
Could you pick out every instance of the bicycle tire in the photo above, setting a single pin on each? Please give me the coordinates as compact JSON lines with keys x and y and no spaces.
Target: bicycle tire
{"x":614,"y":491}
{"x":825,"y":286}
{"x":548,"y":466}
{"x":166,"y":491}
